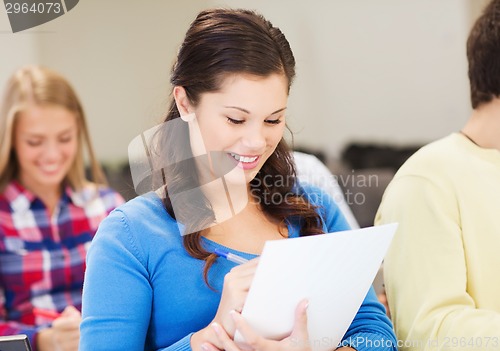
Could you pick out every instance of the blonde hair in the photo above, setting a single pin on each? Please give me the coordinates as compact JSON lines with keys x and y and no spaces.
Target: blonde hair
{"x":35,"y":85}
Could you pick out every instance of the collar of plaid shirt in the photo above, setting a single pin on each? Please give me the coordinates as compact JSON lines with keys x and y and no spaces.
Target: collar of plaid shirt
{"x":20,"y":198}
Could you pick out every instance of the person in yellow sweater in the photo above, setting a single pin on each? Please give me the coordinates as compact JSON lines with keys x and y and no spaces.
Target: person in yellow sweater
{"x":442,"y":270}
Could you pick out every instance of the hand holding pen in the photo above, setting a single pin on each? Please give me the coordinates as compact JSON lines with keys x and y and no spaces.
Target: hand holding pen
{"x":234,"y":293}
{"x":46,"y":314}
{"x":63,"y":334}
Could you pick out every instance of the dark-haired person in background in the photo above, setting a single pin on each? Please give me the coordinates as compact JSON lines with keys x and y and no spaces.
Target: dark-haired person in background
{"x":144,"y":287}
{"x":442,"y":270}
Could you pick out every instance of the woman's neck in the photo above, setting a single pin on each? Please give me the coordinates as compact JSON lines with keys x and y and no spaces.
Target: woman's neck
{"x":49,"y":195}
{"x":248,"y":230}
{"x":226,"y":199}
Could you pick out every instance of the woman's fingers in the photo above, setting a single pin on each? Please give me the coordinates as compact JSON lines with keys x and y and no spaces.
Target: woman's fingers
{"x":245,"y":269}
{"x":225,"y":341}
{"x":252,"y":339}
{"x":71,"y":311}
{"x":236,"y":285}
{"x":241,"y":276}
{"x":67,"y":323}
{"x":299,"y":331}
{"x":298,"y":339}
{"x":206,"y":346}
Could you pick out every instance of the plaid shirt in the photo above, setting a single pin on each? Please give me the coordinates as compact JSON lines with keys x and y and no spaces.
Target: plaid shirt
{"x":42,"y":258}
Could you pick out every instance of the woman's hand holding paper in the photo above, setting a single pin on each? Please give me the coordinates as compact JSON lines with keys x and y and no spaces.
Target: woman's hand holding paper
{"x":298,"y":340}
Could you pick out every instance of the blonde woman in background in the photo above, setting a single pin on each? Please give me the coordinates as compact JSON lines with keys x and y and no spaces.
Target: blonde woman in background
{"x":49,"y":212}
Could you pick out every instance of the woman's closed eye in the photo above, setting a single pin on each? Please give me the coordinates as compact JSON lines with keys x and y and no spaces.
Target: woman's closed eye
{"x":34,"y":143}
{"x":267,"y":121}
{"x":65,"y":140}
{"x":273,"y":121}
{"x":235,"y":121}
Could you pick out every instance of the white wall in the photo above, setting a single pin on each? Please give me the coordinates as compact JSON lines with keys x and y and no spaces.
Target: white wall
{"x":475,"y":8}
{"x":385,"y":70}
{"x":118,"y":54}
{"x":15,"y":49}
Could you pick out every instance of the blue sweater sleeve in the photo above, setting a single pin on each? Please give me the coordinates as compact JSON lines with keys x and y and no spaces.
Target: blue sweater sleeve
{"x":183,"y":344}
{"x":112,"y":311}
{"x":371,"y":329}
{"x":117,"y":295}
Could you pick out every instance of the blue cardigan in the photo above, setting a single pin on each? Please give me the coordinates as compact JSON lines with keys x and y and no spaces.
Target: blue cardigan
{"x":142,"y":290}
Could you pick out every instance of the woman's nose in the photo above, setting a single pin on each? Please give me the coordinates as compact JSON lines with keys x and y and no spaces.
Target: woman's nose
{"x":52,"y":152}
{"x":254,"y":138}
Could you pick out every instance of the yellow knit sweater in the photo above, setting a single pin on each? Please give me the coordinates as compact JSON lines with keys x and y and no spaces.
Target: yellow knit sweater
{"x":442,"y":272}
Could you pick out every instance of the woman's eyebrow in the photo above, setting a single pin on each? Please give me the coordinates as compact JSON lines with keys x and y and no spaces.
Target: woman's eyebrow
{"x":238,"y":108}
{"x":278,"y":111}
{"x":248,"y":112}
{"x":43,"y":135}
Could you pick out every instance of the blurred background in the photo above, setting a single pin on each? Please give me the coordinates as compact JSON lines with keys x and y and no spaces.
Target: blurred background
{"x":383,"y":75}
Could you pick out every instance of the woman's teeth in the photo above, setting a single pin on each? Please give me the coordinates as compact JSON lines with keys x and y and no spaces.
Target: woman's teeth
{"x":49,"y":169}
{"x":243,"y":159}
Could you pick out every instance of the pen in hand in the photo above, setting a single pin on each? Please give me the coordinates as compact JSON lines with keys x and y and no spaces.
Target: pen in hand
{"x":48,"y":314}
{"x":230,"y":256}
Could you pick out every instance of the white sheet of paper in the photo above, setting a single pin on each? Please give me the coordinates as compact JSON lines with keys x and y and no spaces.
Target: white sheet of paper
{"x":333,"y":271}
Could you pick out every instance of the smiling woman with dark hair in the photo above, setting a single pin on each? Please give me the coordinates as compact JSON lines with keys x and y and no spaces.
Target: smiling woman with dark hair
{"x":222,"y":136}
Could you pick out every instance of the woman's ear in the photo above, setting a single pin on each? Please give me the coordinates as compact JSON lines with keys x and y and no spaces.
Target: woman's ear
{"x":182,"y":101}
